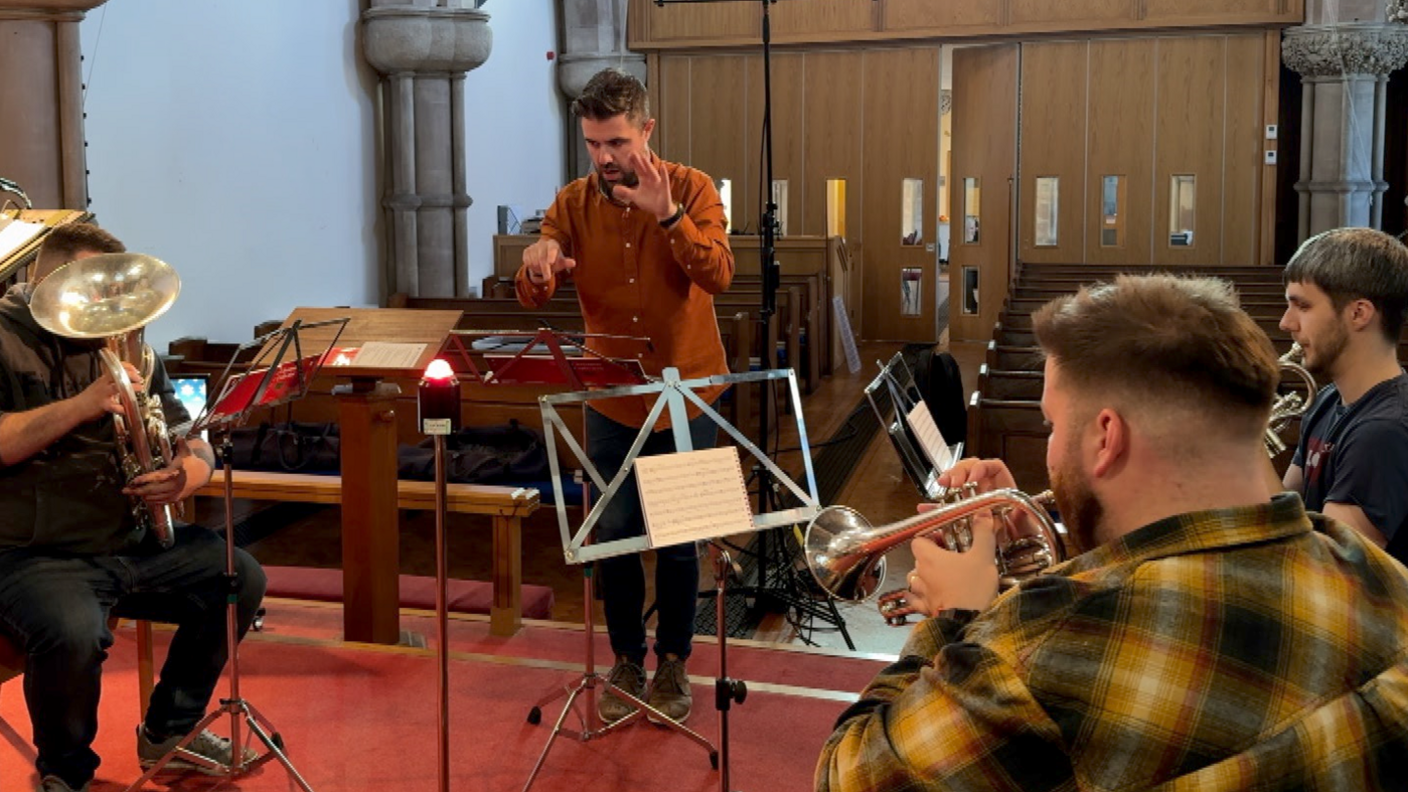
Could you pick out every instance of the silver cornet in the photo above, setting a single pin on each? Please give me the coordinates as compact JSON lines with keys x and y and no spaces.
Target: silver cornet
{"x":847,"y":556}
{"x":1289,"y":405}
{"x":112,"y":297}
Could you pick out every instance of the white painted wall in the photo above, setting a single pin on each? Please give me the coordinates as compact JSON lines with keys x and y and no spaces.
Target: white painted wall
{"x":236,"y":139}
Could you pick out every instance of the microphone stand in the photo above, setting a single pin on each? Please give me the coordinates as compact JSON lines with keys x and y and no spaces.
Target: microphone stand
{"x":791,"y":594}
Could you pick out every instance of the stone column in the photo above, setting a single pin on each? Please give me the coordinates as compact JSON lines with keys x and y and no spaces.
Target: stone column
{"x":595,"y":38}
{"x":422,"y":48}
{"x":41,"y":103}
{"x":1344,"y":68}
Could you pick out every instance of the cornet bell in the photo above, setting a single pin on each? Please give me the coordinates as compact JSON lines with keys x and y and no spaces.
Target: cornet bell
{"x":839,"y":570}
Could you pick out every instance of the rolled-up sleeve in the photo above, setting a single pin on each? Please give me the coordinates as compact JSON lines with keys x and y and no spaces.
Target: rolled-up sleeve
{"x":699,"y":239}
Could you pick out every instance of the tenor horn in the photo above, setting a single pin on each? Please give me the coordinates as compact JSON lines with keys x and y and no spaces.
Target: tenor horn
{"x":111,"y":298}
{"x":1290,"y":405}
{"x":846,"y":554}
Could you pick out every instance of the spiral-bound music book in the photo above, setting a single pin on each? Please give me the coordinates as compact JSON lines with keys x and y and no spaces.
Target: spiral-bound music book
{"x":695,"y":495}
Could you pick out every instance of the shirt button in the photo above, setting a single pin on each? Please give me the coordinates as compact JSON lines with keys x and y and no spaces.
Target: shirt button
{"x":631,"y":280}
{"x":628,"y":244}
{"x":635,"y":318}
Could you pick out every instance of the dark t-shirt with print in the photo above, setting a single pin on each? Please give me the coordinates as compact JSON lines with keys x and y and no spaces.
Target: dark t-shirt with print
{"x":1357,"y":455}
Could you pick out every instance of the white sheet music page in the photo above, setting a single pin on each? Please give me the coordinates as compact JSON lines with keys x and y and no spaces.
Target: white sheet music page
{"x":694,"y":495}
{"x":384,"y":354}
{"x":932,"y":440}
{"x":16,"y":234}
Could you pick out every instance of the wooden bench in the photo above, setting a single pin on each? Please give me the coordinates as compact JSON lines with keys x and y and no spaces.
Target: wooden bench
{"x":506,"y":505}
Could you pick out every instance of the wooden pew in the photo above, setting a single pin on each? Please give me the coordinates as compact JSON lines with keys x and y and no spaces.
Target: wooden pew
{"x":1006,"y":385}
{"x":1014,"y":431}
{"x":507,"y":506}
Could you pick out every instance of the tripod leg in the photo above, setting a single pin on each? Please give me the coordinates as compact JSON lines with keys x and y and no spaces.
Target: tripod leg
{"x":272,"y":742}
{"x":556,"y":730}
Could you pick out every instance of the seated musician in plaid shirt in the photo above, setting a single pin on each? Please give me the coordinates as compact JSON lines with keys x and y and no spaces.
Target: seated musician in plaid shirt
{"x":1211,"y":636}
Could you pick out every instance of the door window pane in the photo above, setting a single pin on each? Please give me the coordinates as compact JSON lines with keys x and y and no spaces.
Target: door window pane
{"x":1182,"y":208}
{"x":1112,"y":211}
{"x":912,"y":212}
{"x":911,"y":289}
{"x":1048,"y":210}
{"x":972,"y":206}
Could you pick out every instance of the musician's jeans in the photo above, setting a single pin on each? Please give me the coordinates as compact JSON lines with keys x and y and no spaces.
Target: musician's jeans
{"x":56,"y":608}
{"x":622,"y":578}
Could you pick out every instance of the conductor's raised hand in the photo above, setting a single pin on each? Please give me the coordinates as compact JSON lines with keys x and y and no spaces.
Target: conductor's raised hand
{"x":988,"y":474}
{"x":652,"y":193}
{"x":544,"y":259}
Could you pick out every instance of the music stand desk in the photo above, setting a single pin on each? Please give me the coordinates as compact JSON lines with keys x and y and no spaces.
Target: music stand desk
{"x":366,"y":417}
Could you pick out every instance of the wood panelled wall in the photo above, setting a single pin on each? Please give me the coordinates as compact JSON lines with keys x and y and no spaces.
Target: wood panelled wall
{"x":869,"y":117}
{"x":1145,"y":109}
{"x":695,"y":26}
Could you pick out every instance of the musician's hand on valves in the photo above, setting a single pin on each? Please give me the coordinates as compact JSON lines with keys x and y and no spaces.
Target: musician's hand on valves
{"x":100,"y":398}
{"x":988,"y":474}
{"x":544,"y":259}
{"x":159,"y":487}
{"x":943,"y":579}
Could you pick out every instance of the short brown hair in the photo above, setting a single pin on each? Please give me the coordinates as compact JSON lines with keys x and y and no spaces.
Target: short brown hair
{"x":1164,"y":340}
{"x":1357,"y":263}
{"x":64,"y":243}
{"x":612,"y":92}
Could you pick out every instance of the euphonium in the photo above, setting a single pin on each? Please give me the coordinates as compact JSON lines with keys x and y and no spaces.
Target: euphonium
{"x":847,"y":556}
{"x":112,"y":297}
{"x":1291,"y":404}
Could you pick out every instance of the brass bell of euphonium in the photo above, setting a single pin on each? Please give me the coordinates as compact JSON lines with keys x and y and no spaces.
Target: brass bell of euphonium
{"x":112,"y":297}
{"x":847,"y":556}
{"x":1289,"y":405}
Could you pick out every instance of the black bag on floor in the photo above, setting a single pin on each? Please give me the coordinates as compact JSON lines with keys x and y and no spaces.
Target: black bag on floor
{"x":505,"y":454}
{"x":940,"y":384}
{"x":293,"y":447}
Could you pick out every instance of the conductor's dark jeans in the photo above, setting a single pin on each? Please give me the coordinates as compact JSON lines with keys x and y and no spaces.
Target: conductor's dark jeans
{"x":56,"y":608}
{"x":622,"y":578}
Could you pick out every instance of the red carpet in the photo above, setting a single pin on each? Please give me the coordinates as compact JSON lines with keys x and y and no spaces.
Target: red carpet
{"x":360,"y":718}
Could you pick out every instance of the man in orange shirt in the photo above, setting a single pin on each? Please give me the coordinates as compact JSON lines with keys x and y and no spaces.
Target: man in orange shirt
{"x":646,"y":244}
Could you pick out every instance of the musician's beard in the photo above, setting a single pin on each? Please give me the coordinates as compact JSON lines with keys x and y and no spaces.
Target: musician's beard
{"x":1080,"y":509}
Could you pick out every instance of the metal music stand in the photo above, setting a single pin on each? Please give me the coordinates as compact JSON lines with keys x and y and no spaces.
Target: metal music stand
{"x":279,"y":382}
{"x":673,"y":393}
{"x":896,"y":380}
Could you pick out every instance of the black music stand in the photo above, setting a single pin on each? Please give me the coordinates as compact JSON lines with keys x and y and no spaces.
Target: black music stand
{"x":240,"y":395}
{"x":896,"y":381}
{"x":577,"y":548}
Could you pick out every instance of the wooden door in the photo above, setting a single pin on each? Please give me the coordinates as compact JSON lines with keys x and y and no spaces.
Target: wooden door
{"x":901,"y":150}
{"x":982,"y":187}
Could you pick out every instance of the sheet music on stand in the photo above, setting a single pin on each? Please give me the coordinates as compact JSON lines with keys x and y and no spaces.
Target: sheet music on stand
{"x":280,"y":380}
{"x":693,"y":496}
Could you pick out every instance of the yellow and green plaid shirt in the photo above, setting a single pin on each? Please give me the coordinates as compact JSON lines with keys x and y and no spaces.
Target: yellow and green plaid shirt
{"x":1251,"y":648}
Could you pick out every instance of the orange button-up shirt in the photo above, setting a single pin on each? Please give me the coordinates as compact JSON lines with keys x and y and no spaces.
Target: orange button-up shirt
{"x":637,"y":278}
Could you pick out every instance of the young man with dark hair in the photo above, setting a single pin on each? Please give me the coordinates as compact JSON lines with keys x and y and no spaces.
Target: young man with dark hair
{"x":645,"y":242}
{"x":1210,"y":636}
{"x":1346,"y":292}
{"x":72,"y":551}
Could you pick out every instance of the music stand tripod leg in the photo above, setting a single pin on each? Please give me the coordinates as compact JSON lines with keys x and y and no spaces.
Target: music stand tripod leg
{"x":235,"y":706}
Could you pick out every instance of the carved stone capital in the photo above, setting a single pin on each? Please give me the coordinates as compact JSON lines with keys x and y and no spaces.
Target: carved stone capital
{"x":1398,"y":11}
{"x":1342,"y":50}
{"x":575,"y":69}
{"x":429,"y":39}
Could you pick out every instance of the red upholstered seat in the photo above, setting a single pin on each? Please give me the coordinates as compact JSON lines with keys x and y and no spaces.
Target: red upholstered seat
{"x":417,"y":591}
